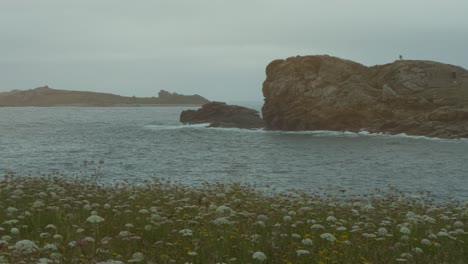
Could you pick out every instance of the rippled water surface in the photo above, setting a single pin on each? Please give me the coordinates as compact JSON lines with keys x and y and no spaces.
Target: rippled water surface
{"x":141,"y":142}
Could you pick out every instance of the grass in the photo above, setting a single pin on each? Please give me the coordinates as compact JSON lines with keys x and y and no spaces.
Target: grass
{"x":78,"y":221}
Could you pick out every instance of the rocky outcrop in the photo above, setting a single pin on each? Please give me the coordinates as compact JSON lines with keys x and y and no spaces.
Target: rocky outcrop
{"x":328,"y":93}
{"x":220,"y":114}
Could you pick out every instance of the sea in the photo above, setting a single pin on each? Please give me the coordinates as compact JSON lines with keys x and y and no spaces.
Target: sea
{"x":139,"y":143}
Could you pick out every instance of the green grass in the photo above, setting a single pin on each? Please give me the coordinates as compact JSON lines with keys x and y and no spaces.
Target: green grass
{"x":215,"y":223}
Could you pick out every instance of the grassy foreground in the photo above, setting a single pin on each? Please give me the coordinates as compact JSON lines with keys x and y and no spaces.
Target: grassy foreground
{"x":58,"y":220}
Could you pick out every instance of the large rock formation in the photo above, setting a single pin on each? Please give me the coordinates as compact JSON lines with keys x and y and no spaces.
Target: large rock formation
{"x":222,"y":115}
{"x":328,"y":93}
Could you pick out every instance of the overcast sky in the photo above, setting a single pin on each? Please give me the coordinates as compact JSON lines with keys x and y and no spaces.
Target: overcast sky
{"x":218,"y":49}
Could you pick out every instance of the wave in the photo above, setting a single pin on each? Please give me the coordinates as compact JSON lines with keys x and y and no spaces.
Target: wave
{"x":364,"y":133}
{"x":316,"y":133}
{"x":170,"y":127}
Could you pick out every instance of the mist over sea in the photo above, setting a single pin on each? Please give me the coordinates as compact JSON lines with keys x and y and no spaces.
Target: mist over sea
{"x":138,"y":143}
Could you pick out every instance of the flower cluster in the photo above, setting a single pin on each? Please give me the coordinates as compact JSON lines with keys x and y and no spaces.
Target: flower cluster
{"x":63,"y":220}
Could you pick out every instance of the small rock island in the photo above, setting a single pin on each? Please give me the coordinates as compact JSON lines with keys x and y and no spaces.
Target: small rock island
{"x":45,"y":96}
{"x":220,"y":114}
{"x":415,"y":97}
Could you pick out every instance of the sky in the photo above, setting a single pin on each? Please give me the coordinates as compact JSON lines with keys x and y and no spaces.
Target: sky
{"x":218,"y":49}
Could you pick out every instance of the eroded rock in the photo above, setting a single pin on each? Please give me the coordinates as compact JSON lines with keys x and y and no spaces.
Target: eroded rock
{"x":329,"y":93}
{"x":220,"y":114}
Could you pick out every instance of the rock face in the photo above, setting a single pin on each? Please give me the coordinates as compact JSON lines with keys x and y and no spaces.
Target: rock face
{"x":328,"y":93}
{"x":222,"y":115}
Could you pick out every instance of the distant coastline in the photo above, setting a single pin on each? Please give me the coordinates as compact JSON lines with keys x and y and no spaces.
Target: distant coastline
{"x":48,"y":97}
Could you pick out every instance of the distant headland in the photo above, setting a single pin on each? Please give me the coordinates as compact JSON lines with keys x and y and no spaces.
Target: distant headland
{"x":45,"y":96}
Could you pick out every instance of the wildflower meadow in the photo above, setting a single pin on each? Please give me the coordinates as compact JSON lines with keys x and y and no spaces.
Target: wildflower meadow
{"x":53,"y":219}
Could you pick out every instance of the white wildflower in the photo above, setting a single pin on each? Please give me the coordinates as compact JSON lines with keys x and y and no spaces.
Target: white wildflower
{"x":43,"y":261}
{"x":260,"y":223}
{"x":11,"y":210}
{"x":260,"y":256}
{"x":25,"y":247}
{"x":425,"y":242}
{"x":192,"y":253}
{"x":38,"y":204}
{"x":52,"y":247}
{"x":111,"y":261}
{"x":368,"y":235}
{"x":296,"y":235}
{"x":144,"y":211}
{"x":417,"y":250}
{"x":331,"y":218}
{"x":186,"y":232}
{"x":368,"y":207}
{"x":72,"y":244}
{"x":405,"y":230}
{"x":442,"y":234}
{"x":406,"y":255}
{"x":50,"y":226}
{"x":307,"y":242}
{"x":429,"y":219}
{"x":302,"y":252}
{"x":262,"y":217}
{"x":95,"y":219}
{"x":88,"y":239}
{"x":404,"y":238}
{"x":222,"y":221}
{"x":124,"y":233}
{"x":137,"y":257}
{"x":328,"y":237}
{"x":14,"y":231}
{"x":382,"y":231}
{"x":317,"y":226}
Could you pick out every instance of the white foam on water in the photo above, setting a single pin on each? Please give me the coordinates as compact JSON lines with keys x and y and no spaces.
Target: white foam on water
{"x":170,"y":127}
{"x":317,"y":133}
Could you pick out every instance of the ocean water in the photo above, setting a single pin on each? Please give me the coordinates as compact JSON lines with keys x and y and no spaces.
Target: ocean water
{"x":138,"y":143}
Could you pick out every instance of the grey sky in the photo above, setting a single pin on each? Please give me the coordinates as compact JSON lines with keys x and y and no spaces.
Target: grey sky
{"x":218,"y":49}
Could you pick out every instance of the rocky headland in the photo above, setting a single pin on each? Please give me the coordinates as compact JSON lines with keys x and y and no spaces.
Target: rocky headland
{"x":328,"y":93}
{"x":45,"y":96}
{"x":220,"y":114}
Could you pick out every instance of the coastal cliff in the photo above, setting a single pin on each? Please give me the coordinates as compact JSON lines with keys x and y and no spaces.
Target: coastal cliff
{"x":328,"y":93}
{"x":45,"y":96}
